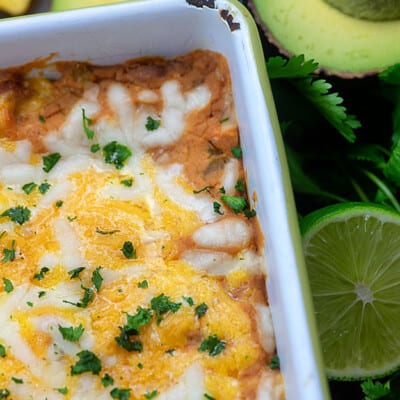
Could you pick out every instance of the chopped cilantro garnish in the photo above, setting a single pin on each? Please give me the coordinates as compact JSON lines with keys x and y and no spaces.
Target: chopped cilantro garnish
{"x":4,"y":393}
{"x":17,"y":214}
{"x":375,"y":390}
{"x":70,"y":218}
{"x":42,"y":119}
{"x":44,"y":187}
{"x":97,"y":279}
{"x":88,"y":296}
{"x":240,"y":186}
{"x":275,"y":363}
{"x":29,"y":187}
{"x":162,"y":304}
{"x":143,"y":284}
{"x":152,"y":124}
{"x":41,"y":293}
{"x":40,"y":275}
{"x":140,"y":365}
{"x":3,"y":352}
{"x":213,"y":345}
{"x":94,"y":148}
{"x":237,"y":152}
{"x":217,"y":208}
{"x":107,"y":380}
{"x":9,"y":254}
{"x":120,"y":394}
{"x":59,"y":203}
{"x":116,"y":154}
{"x":8,"y":286}
{"x":204,"y":189}
{"x":29,"y":304}
{"x":221,"y":121}
{"x":236,"y":203}
{"x":151,"y":395}
{"x":201,"y":309}
{"x":127,"y":182}
{"x":70,"y":333}
{"x":188,"y":300}
{"x":170,"y":352}
{"x":106,"y":232}
{"x":86,"y":122}
{"x":207,"y":396}
{"x":74,"y":273}
{"x":128,"y":250}
{"x":50,"y":161}
{"x":222,"y":190}
{"x":249,"y":213}
{"x":88,"y":362}
{"x":17,"y":380}
{"x":63,"y":390}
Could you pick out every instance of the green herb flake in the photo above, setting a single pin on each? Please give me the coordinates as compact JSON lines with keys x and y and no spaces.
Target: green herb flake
{"x":94,"y":148}
{"x":17,"y":214}
{"x":88,"y":296}
{"x":217,"y":208}
{"x":143,"y":284}
{"x":107,"y":380}
{"x":170,"y":352}
{"x":4,"y":393}
{"x":140,"y":365}
{"x":9,"y":254}
{"x":41,"y":118}
{"x":41,"y":293}
{"x":74,"y":273}
{"x":86,"y":122}
{"x":213,"y":345}
{"x":18,"y":381}
{"x":50,"y":161}
{"x":28,"y":188}
{"x":127,"y":182}
{"x":29,"y":304}
{"x":249,"y":213}
{"x":222,"y":190}
{"x":44,"y":187}
{"x":59,"y":203}
{"x":275,"y":363}
{"x":240,"y":186}
{"x":63,"y":390}
{"x":375,"y":390}
{"x":201,"y":309}
{"x":237,"y":152}
{"x":8,"y":286}
{"x":209,"y":397}
{"x":236,"y":203}
{"x":101,"y":232}
{"x":120,"y":394}
{"x":204,"y":189}
{"x":70,"y":333}
{"x":152,"y":124}
{"x":162,"y":304}
{"x":3,"y":352}
{"x":116,"y":154}
{"x":40,"y":275}
{"x":128,"y":250}
{"x":151,"y":395}
{"x":188,"y":300}
{"x":88,"y":362}
{"x":97,"y":279}
{"x":226,"y":119}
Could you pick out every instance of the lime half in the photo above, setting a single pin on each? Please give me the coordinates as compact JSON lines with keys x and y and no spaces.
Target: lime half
{"x":352,"y":254}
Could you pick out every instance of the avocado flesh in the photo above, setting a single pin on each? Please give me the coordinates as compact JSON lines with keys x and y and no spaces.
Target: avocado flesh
{"x":341,"y":44}
{"x":372,"y":10}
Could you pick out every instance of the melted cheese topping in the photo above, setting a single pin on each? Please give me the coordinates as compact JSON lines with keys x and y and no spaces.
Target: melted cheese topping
{"x":130,"y":213}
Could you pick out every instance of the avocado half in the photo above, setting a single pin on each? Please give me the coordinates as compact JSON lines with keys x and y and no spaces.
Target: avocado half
{"x":348,"y":38}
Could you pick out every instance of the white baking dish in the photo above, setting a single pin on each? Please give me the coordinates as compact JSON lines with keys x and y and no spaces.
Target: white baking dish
{"x":111,"y":34}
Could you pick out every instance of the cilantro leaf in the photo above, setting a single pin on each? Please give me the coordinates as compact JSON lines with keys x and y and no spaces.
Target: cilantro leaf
{"x":86,"y":122}
{"x":375,"y":390}
{"x":50,"y":161}
{"x":217,"y":208}
{"x":71,"y":333}
{"x":74,"y":273}
{"x":97,"y":279}
{"x":213,"y":345}
{"x":152,"y":124}
{"x":143,"y":284}
{"x":151,"y":395}
{"x":128,"y":250}
{"x":17,"y":380}
{"x":94,"y":148}
{"x":275,"y":362}
{"x":63,"y":390}
{"x":236,"y":203}
{"x":4,"y":393}
{"x":208,"y":397}
{"x":162,"y":304}
{"x":106,"y":232}
{"x":127,"y":182}
{"x":88,"y":296}
{"x":294,"y":67}
{"x":3,"y":352}
{"x":116,"y":154}
{"x":29,"y":187}
{"x":240,"y":186}
{"x":120,"y":394}
{"x":201,"y":309}
{"x":391,"y":75}
{"x":237,"y":152}
{"x":88,"y":362}
{"x":107,"y":380}
{"x":8,"y":286}
{"x":40,"y":275}
{"x":188,"y":300}
{"x":44,"y":187}
{"x":17,"y":214}
{"x":9,"y":254}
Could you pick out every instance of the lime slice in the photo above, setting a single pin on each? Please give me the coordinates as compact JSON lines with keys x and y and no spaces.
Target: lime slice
{"x":352,"y":253}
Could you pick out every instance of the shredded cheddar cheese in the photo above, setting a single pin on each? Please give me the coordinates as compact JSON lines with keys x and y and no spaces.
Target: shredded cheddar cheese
{"x":118,"y":278}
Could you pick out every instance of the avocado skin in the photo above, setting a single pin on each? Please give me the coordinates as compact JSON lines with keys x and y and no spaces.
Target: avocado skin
{"x":342,"y":45}
{"x":371,"y":10}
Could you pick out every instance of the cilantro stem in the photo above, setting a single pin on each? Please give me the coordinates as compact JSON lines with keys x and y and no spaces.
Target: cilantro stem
{"x":382,"y":186}
{"x":359,"y":190}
